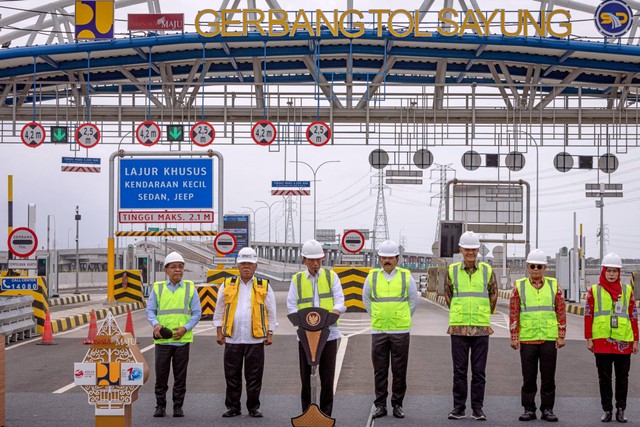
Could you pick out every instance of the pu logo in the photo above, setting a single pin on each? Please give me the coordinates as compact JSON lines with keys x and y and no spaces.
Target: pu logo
{"x":108,"y":374}
{"x":613,"y":18}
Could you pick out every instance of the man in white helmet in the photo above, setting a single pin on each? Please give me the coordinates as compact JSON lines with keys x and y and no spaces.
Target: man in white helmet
{"x":471,"y":293}
{"x":173,"y":310}
{"x":245,"y":319}
{"x":390,"y":296}
{"x":538,"y":324}
{"x":317,"y":287}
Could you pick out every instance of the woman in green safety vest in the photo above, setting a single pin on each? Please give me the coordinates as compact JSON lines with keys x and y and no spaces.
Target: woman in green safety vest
{"x":611,"y":331}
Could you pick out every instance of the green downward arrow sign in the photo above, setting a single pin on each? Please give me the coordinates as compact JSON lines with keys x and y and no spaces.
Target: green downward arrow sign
{"x":175,"y":132}
{"x":59,"y":134}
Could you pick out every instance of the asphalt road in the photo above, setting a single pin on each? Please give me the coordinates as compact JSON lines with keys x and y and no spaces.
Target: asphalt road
{"x":40,"y":392}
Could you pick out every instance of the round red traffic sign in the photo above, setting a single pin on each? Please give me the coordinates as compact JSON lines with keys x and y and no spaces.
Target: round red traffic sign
{"x":87,"y":135}
{"x":263,"y":132}
{"x":22,"y":242}
{"x":148,"y":133}
{"x":202,"y":134}
{"x":225,"y":243}
{"x":318,"y":133}
{"x":33,"y":134}
{"x":353,"y":241}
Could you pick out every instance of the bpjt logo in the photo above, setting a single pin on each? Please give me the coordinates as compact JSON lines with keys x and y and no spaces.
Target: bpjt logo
{"x":613,"y":18}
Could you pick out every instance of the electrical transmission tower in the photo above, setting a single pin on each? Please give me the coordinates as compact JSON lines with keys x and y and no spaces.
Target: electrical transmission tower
{"x":289,"y":234}
{"x":443,"y":170}
{"x":380,"y":223}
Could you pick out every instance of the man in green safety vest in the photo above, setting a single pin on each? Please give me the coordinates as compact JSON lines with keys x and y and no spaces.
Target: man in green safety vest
{"x":538,"y":323}
{"x":173,"y":310}
{"x":317,"y":287}
{"x":471,"y":293}
{"x":390,"y":296}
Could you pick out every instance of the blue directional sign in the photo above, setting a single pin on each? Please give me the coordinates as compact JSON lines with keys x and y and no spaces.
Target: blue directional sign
{"x":19,"y":284}
{"x":82,"y":160}
{"x":166,"y":184}
{"x":238,"y":225}
{"x":280,"y":184}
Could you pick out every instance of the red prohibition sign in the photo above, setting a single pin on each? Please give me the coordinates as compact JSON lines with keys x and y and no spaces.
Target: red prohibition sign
{"x":225,"y":243}
{"x":24,"y":244}
{"x":87,"y":135}
{"x":318,"y":133}
{"x":350,"y":235}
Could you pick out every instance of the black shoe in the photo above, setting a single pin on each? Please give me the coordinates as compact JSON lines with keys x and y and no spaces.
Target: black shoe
{"x":548,"y":415}
{"x":606,"y":417}
{"x":478,"y":415}
{"x":255,"y":413}
{"x":160,"y":412}
{"x":456,"y":414}
{"x":397,"y":411}
{"x":231,"y":413}
{"x":380,"y":411}
{"x":528,"y":416}
{"x":620,"y":416}
{"x":177,"y":412}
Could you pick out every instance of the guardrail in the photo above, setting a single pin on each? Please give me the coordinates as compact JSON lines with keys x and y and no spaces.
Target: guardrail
{"x":16,"y":318}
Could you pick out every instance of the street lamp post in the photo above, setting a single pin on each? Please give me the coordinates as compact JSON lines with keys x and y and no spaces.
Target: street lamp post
{"x":535,"y":143}
{"x":315,"y":181}
{"x":54,"y":289}
{"x":253,"y":211}
{"x":78,"y":217}
{"x":269,"y":209}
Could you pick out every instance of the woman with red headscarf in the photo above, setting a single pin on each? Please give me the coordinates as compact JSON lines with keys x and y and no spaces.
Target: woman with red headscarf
{"x":611,"y":330}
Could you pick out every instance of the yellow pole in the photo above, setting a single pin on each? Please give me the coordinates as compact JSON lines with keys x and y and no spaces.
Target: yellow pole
{"x":111,"y":262}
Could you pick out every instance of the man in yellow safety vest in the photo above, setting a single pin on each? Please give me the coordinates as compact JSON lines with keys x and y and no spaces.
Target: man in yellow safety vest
{"x":317,"y":287}
{"x":390,"y":295}
{"x":245,"y":319}
{"x":538,"y":323}
{"x":173,"y":310}
{"x":471,"y":293}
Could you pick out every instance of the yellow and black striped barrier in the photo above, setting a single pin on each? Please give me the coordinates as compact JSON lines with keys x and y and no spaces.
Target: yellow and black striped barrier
{"x":575,"y":309}
{"x":352,"y":280}
{"x":164,"y":233}
{"x":127,"y":286}
{"x":209,"y":293}
{"x":71,"y":322}
{"x":40,"y":305}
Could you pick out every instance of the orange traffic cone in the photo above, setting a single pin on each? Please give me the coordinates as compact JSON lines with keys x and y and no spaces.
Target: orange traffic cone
{"x":129,"y":326}
{"x":93,"y":329}
{"x":47,"y":334}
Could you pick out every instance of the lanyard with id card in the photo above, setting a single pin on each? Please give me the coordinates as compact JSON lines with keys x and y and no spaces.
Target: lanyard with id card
{"x":617,"y":311}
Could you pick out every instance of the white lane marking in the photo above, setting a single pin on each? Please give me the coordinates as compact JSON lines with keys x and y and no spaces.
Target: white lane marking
{"x":342,"y":350}
{"x":144,"y":350}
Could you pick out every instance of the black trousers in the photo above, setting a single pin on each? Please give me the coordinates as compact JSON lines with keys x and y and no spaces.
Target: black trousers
{"x":461,"y":346}
{"x":167,"y":356}
{"x":326,"y":369}
{"x":544,"y":355}
{"x":394,"y":348}
{"x":621,"y":363}
{"x":253,"y":357}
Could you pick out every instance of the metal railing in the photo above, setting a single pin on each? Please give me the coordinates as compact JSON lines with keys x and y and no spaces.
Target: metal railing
{"x":16,"y":318}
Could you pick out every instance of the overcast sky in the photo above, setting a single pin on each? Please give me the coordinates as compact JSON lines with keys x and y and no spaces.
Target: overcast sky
{"x":346,"y":194}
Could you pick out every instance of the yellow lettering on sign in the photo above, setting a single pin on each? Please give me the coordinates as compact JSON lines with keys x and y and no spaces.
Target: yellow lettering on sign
{"x":470,"y":22}
{"x":378,"y":18}
{"x":404,"y":33}
{"x":442,"y":16}
{"x":227,"y":21}
{"x":256,"y":21}
{"x":541,"y":28}
{"x":565,"y":25}
{"x":359,"y":26}
{"x":213,"y":25}
{"x":278,"y":18}
{"x":503,"y":24}
{"x":416,"y":20}
{"x":322,"y":20}
{"x":485,"y":21}
{"x":305,"y":24}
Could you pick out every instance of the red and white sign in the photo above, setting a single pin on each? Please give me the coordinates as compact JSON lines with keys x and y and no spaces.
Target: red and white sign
{"x":155,"y":21}
{"x":202,"y":134}
{"x":318,"y":133}
{"x":352,"y":241}
{"x":264,"y":132}
{"x":151,"y":217}
{"x":33,"y":134}
{"x":225,"y":243}
{"x":22,"y":242}
{"x":148,"y":133}
{"x":87,"y":135}
{"x":76,"y":168}
{"x":290,"y":192}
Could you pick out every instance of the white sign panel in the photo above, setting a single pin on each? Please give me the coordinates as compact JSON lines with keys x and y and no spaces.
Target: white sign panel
{"x":23,"y":264}
{"x":352,"y":258}
{"x":131,"y":374}
{"x":84,"y":373}
{"x":224,"y":260}
{"x":152,"y":217}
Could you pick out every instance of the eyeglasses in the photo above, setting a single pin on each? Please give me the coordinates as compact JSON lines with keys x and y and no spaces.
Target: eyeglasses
{"x":176,"y":267}
{"x":536,"y":266}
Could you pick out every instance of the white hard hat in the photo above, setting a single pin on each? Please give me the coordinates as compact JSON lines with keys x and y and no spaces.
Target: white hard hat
{"x":388,"y":248}
{"x":536,"y":256}
{"x":612,"y":260}
{"x":247,"y":255}
{"x":469,"y":240}
{"x":312,"y":249}
{"x":173,"y":257}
